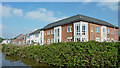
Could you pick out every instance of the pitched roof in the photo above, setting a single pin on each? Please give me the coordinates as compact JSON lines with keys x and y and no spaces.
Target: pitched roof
{"x":35,"y":32}
{"x":17,"y":36}
{"x":78,"y":18}
{"x":74,"y":19}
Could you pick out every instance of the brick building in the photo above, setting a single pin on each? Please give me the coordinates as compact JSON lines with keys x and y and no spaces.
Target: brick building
{"x":18,"y":39}
{"x":78,"y":28}
{"x":119,"y":37}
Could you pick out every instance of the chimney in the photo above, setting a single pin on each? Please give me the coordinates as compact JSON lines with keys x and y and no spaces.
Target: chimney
{"x":26,"y":33}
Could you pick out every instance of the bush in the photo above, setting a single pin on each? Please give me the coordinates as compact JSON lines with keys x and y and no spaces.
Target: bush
{"x":70,"y":53}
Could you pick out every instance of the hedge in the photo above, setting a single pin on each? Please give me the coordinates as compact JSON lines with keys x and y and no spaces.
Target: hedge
{"x":70,"y":53}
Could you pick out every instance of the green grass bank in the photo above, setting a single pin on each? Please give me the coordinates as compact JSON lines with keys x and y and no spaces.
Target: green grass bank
{"x":70,"y":53}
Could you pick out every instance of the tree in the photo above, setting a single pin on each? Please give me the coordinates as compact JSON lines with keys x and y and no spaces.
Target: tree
{"x":1,"y":39}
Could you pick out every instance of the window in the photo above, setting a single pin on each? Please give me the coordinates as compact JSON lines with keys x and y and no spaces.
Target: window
{"x":55,"y":40}
{"x":108,"y":39}
{"x":69,"y":39}
{"x":91,"y":29}
{"x":77,"y":39}
{"x":68,"y":29}
{"x":52,"y":40}
{"x":78,"y":29}
{"x":52,"y":31}
{"x":103,"y":30}
{"x":108,"y":31}
{"x":58,"y":40}
{"x":91,"y":38}
{"x":111,"y":31}
{"x":45,"y":33}
{"x":97,"y":29}
{"x":83,"y":30}
{"x":112,"y":39}
{"x":48,"y":32}
{"x":98,"y":39}
{"x":84,"y":39}
{"x":48,"y":41}
{"x":58,"y":32}
{"x":36,"y":35}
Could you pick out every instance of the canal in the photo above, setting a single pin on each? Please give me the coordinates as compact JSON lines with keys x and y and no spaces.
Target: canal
{"x":18,"y":61}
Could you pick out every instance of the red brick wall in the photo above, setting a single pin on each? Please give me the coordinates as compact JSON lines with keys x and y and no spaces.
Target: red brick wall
{"x":94,"y":34}
{"x":66,"y":34}
{"x":48,"y":36}
{"x":113,"y":35}
{"x":16,"y":40}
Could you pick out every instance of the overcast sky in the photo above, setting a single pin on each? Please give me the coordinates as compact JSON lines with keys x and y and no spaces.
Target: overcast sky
{"x":21,"y":17}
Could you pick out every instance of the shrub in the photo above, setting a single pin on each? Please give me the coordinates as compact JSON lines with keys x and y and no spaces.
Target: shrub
{"x":70,"y":53}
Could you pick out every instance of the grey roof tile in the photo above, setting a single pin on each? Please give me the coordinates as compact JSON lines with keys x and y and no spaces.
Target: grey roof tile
{"x":78,"y":18}
{"x":74,"y":19}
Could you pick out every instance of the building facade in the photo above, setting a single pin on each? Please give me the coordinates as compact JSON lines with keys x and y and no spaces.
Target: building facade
{"x":77,"y":28}
{"x":18,"y":39}
{"x":119,"y":37}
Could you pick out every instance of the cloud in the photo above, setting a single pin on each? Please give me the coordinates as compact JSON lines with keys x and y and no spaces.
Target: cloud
{"x":42,"y":14}
{"x":7,"y":11}
{"x":43,"y":10}
{"x":111,"y":5}
{"x":18,"y":12}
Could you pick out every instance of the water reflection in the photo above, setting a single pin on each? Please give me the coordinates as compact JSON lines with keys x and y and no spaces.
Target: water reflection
{"x":18,"y":61}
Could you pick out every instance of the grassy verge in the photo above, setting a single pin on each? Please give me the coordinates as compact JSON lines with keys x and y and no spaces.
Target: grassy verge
{"x":69,"y":54}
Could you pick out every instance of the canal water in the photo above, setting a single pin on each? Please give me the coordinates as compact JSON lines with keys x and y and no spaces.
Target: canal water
{"x":18,"y":61}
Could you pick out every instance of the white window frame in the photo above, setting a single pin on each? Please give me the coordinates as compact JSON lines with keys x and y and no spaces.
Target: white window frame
{"x":84,"y":39}
{"x":91,"y":28}
{"x":52,"y":31}
{"x":45,"y":33}
{"x":48,"y":41}
{"x":78,"y":26}
{"x":108,"y":31}
{"x":69,"y":38}
{"x":78,"y":30}
{"x":56,"y":33}
{"x":97,"y":29}
{"x":68,"y":29}
{"x":77,"y":39}
{"x":97,"y":39}
{"x":112,"y":39}
{"x":48,"y":32}
{"x":108,"y":39}
{"x":52,"y":40}
{"x":83,"y":31}
{"x":111,"y":31}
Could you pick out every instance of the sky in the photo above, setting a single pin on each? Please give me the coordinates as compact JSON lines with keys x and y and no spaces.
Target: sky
{"x":22,"y":17}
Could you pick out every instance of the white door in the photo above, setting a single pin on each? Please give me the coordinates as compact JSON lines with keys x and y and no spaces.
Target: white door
{"x":103,"y":33}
